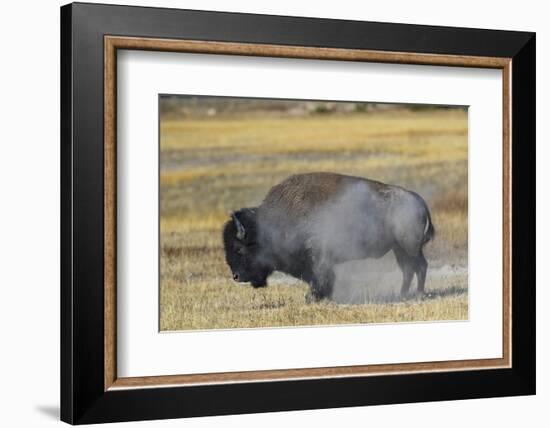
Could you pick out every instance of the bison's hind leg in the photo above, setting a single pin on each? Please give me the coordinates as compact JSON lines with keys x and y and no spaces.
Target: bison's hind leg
{"x":407,"y":265}
{"x":411,"y":265}
{"x":421,"y":270}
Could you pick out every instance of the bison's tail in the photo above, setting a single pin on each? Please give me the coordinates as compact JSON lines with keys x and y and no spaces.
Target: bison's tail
{"x":429,"y":230}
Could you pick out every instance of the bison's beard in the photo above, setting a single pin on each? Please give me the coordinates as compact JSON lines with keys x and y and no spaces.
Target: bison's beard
{"x":259,"y":283}
{"x":260,"y":279}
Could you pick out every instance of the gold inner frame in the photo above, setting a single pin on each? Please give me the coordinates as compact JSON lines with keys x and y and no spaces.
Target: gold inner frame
{"x":113,"y":43}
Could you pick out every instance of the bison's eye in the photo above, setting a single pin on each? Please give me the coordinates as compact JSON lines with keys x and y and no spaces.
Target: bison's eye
{"x":241,"y":251}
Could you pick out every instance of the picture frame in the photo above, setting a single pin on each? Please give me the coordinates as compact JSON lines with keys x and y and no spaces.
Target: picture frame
{"x":91,"y":391}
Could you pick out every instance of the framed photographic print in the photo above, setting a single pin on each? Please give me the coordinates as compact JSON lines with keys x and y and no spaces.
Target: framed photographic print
{"x":265,"y":213}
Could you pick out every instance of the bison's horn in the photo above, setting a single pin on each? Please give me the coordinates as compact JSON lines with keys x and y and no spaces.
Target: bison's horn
{"x":241,"y":232}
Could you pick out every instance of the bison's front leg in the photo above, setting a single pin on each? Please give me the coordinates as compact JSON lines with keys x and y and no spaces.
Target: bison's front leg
{"x":321,"y":285}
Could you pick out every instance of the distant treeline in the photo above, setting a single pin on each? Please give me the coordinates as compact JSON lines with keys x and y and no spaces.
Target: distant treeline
{"x":180,"y":106}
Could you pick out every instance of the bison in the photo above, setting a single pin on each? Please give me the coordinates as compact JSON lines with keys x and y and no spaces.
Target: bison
{"x":309,"y":223}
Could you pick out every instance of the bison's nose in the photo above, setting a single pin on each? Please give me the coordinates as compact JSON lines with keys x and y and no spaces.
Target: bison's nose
{"x":236,"y":276}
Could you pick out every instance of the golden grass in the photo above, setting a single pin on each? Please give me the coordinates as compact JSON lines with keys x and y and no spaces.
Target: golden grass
{"x":313,"y":132}
{"x":210,"y":167}
{"x":206,"y":305}
{"x":206,"y":222}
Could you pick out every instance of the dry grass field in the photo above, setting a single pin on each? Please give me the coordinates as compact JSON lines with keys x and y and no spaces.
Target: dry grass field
{"x":215,"y":164}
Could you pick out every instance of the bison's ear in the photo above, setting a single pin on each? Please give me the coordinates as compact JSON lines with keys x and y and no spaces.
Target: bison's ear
{"x":241,"y":232}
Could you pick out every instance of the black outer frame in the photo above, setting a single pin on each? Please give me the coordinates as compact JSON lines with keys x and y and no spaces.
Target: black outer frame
{"x":83,"y":399}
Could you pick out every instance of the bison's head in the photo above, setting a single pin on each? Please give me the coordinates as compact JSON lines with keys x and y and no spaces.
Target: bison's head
{"x":242,"y":251}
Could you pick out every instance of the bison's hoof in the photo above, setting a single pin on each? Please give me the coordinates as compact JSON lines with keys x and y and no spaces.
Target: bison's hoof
{"x":312,"y":297}
{"x":425,"y":295}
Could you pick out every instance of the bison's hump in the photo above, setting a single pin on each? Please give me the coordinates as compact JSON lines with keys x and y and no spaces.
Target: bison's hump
{"x":299,"y":194}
